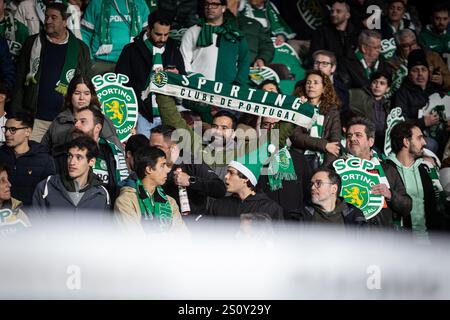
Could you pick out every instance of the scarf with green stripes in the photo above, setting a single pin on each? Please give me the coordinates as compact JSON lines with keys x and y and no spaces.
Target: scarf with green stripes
{"x":205,"y":38}
{"x":367,"y":70}
{"x":157,"y":66}
{"x":378,"y":167}
{"x":121,"y":169}
{"x":439,"y":193}
{"x":155,"y":209}
{"x":7,"y":27}
{"x":69,"y":67}
{"x":316,"y":131}
{"x":105,"y":25}
{"x":281,"y":168}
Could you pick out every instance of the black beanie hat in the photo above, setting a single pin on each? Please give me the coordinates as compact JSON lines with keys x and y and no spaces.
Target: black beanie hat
{"x":417,"y":58}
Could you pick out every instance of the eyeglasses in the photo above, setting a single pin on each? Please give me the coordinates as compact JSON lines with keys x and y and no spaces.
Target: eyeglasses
{"x":409,"y":45}
{"x":318,"y":184}
{"x":13,"y":130}
{"x":213,"y":5}
{"x":268,"y":125}
{"x":324,"y":63}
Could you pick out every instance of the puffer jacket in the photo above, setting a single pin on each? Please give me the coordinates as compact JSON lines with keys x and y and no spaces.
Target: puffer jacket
{"x":26,"y":171}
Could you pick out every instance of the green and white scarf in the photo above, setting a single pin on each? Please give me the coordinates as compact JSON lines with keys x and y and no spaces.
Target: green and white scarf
{"x":439,"y":193}
{"x":397,"y":79}
{"x":270,"y":13}
{"x":155,"y":209}
{"x":69,"y":67}
{"x":205,"y":37}
{"x":378,"y":167}
{"x":156,"y":67}
{"x":40,"y":10}
{"x":367,"y":70}
{"x":121,"y":172}
{"x":281,"y":168}
{"x":105,"y":25}
{"x":316,"y":131}
{"x":8,"y":31}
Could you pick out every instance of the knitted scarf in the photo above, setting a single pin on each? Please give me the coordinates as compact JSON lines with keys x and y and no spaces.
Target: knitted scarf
{"x":205,"y":38}
{"x":367,"y":71}
{"x":69,"y":67}
{"x":281,"y":168}
{"x":155,"y":208}
{"x":121,"y":172}
{"x":439,"y":193}
{"x":105,"y":25}
{"x":316,"y":131}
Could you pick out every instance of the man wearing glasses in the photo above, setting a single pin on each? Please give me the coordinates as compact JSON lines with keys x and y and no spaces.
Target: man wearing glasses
{"x":326,"y":62}
{"x":28,"y":161}
{"x":215,"y":48}
{"x":326,"y":206}
{"x":366,"y":59}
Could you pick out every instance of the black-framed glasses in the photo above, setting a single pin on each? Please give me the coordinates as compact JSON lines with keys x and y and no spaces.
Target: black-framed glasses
{"x":324,"y":63}
{"x":213,"y":5}
{"x":318,"y":184}
{"x":13,"y":130}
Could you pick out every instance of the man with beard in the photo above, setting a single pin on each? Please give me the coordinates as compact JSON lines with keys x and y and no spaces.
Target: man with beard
{"x":326,"y":205}
{"x":435,"y":36}
{"x":360,"y":138}
{"x":407,"y":143}
{"x":110,"y":165}
{"x":152,"y":50}
{"x":199,"y":179}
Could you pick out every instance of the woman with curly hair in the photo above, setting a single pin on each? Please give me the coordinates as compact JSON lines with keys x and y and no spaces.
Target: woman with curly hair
{"x":321,"y":143}
{"x":80,"y":93}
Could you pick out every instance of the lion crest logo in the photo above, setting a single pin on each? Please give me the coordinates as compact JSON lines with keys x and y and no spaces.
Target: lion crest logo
{"x":119,"y":103}
{"x":357,"y":183}
{"x":159,"y":79}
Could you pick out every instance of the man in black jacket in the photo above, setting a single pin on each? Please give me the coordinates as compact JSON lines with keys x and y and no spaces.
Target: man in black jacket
{"x":241,"y":180}
{"x":199,"y":179}
{"x":339,"y":36}
{"x":28,"y":161}
{"x":152,"y":50}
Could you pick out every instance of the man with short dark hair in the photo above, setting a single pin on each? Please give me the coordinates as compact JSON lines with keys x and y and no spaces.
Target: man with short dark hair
{"x":435,"y":36}
{"x":408,"y":144}
{"x":199,"y":180}
{"x":28,"y":161}
{"x":339,"y":36}
{"x":58,"y":53}
{"x":370,"y":102}
{"x":152,"y":50}
{"x":146,"y":207}
{"x":326,"y":204}
{"x":77,"y":191}
{"x":360,"y":138}
{"x":110,"y":165}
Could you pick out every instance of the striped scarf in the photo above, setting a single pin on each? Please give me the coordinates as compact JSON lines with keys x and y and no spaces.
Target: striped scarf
{"x":316,"y":131}
{"x":367,"y":70}
{"x":155,"y":209}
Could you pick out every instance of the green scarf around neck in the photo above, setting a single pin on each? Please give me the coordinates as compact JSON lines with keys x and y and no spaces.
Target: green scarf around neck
{"x":155,"y":206}
{"x":367,"y":70}
{"x":69,"y":67}
{"x":205,"y":38}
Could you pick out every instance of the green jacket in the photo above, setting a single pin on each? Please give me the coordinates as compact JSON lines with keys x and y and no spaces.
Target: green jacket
{"x":260,"y":45}
{"x":24,"y":98}
{"x":215,"y":159}
{"x":433,"y":41}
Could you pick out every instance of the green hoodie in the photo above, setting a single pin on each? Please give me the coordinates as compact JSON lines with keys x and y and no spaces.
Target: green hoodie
{"x":414,"y":188}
